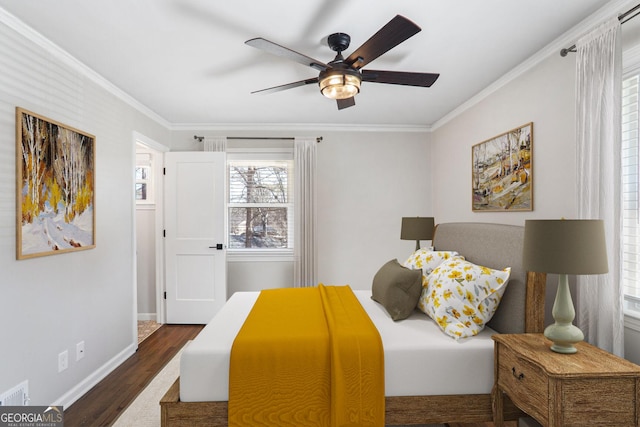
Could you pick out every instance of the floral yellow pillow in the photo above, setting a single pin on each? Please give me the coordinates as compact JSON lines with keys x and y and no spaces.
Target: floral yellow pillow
{"x":462,"y":297}
{"x":427,"y":260}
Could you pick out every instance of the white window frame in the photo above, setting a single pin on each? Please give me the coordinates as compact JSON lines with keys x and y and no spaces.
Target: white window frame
{"x":256,"y":254}
{"x":631,"y":305}
{"x":144,"y":160}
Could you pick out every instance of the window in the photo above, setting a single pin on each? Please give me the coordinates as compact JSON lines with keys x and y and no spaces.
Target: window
{"x":630,"y":189}
{"x":144,"y":182}
{"x":260,"y":201}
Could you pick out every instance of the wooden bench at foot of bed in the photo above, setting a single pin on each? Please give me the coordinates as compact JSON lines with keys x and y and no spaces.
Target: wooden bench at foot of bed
{"x":404,"y":410}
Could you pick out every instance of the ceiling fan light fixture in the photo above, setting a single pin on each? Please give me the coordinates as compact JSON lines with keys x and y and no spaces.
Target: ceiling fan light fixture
{"x":340,"y":79}
{"x":340,"y":84}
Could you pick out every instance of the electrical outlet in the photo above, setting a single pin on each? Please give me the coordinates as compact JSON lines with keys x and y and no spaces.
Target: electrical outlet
{"x":80,"y":350}
{"x":63,"y":361}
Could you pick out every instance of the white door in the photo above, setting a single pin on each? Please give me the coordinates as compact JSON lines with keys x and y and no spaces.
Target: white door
{"x":196,"y":285}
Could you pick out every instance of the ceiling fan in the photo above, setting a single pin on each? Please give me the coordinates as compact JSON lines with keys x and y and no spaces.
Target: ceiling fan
{"x":340,"y":79}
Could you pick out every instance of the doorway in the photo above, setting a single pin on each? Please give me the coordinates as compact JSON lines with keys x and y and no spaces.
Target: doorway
{"x":148,"y":214}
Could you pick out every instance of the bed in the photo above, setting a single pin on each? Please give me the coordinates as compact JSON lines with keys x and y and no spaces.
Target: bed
{"x":455,"y":392}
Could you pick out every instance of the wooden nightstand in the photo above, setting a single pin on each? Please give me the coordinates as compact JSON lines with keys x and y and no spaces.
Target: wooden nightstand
{"x":588,"y":388}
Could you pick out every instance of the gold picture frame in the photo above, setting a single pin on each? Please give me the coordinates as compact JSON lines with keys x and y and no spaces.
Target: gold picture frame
{"x":501,"y":172}
{"x":55,"y":187}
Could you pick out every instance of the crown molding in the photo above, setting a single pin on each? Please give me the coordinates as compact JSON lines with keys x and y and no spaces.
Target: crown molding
{"x":569,"y":38}
{"x":62,"y":55}
{"x":315,"y":127}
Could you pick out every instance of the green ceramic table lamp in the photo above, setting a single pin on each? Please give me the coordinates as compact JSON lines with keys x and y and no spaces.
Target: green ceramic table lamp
{"x":564,"y":247}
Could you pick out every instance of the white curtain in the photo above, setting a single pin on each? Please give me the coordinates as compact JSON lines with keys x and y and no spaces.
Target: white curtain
{"x":305,"y":268}
{"x":215,"y":143}
{"x":598,"y":94}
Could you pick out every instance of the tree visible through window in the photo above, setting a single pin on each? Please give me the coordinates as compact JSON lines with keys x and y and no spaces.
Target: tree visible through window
{"x":260,"y":208}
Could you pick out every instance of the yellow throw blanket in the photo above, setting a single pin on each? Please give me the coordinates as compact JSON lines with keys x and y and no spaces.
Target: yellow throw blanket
{"x":307,"y":357}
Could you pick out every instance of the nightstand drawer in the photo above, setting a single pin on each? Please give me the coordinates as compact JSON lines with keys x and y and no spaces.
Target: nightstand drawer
{"x":598,"y":402}
{"x":525,"y":383}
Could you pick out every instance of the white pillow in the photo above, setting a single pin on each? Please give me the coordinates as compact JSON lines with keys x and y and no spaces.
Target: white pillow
{"x":427,"y":260}
{"x":462,"y":297}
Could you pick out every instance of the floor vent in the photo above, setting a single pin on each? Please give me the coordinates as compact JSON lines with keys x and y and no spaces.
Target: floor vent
{"x":17,"y":396}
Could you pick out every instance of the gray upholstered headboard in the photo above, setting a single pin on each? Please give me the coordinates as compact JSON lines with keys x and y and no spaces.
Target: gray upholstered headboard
{"x":496,"y":246}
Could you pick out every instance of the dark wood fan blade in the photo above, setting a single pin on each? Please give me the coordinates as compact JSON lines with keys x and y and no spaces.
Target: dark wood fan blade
{"x":285,"y":52}
{"x":346,"y":103}
{"x":287,"y":86}
{"x":399,"y":78}
{"x":391,"y":35}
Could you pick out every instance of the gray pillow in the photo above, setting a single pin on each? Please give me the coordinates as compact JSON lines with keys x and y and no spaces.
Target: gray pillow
{"x":397,"y":288}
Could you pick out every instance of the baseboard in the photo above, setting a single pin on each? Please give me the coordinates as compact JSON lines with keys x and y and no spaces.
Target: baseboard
{"x":89,"y":382}
{"x":147,"y":316}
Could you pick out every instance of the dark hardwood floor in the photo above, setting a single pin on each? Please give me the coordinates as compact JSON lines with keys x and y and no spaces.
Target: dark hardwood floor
{"x":103,"y":403}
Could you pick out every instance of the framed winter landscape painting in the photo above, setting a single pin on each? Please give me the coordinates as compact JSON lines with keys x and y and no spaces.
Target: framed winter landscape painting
{"x":501,"y":172}
{"x":55,"y":187}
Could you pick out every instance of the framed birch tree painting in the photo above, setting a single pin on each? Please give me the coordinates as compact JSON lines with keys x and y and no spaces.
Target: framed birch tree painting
{"x":501,"y":172}
{"x":55,"y":187}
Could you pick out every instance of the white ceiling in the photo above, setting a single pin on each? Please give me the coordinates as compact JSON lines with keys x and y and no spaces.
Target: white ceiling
{"x":186,"y":59}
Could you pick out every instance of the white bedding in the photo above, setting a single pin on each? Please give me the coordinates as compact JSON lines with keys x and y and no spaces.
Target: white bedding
{"x":419,"y":359}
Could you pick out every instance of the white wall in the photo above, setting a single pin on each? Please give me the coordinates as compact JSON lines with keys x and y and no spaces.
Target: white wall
{"x":366,"y":183}
{"x":255,"y":275}
{"x":49,"y":304}
{"x":632,"y":340}
{"x":146,"y":261}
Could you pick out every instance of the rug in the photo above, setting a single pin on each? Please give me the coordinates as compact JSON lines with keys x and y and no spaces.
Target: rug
{"x":144,"y":411}
{"x":146,"y":328}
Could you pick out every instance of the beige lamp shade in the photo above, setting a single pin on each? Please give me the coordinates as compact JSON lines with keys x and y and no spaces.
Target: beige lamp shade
{"x":565,"y":246}
{"x":417,"y":228}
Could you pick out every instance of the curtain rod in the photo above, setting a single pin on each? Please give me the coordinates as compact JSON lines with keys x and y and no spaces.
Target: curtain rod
{"x":283,"y":138}
{"x":622,"y":18}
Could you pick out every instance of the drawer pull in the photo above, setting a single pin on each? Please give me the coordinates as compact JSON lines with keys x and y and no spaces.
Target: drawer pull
{"x":519,"y":377}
